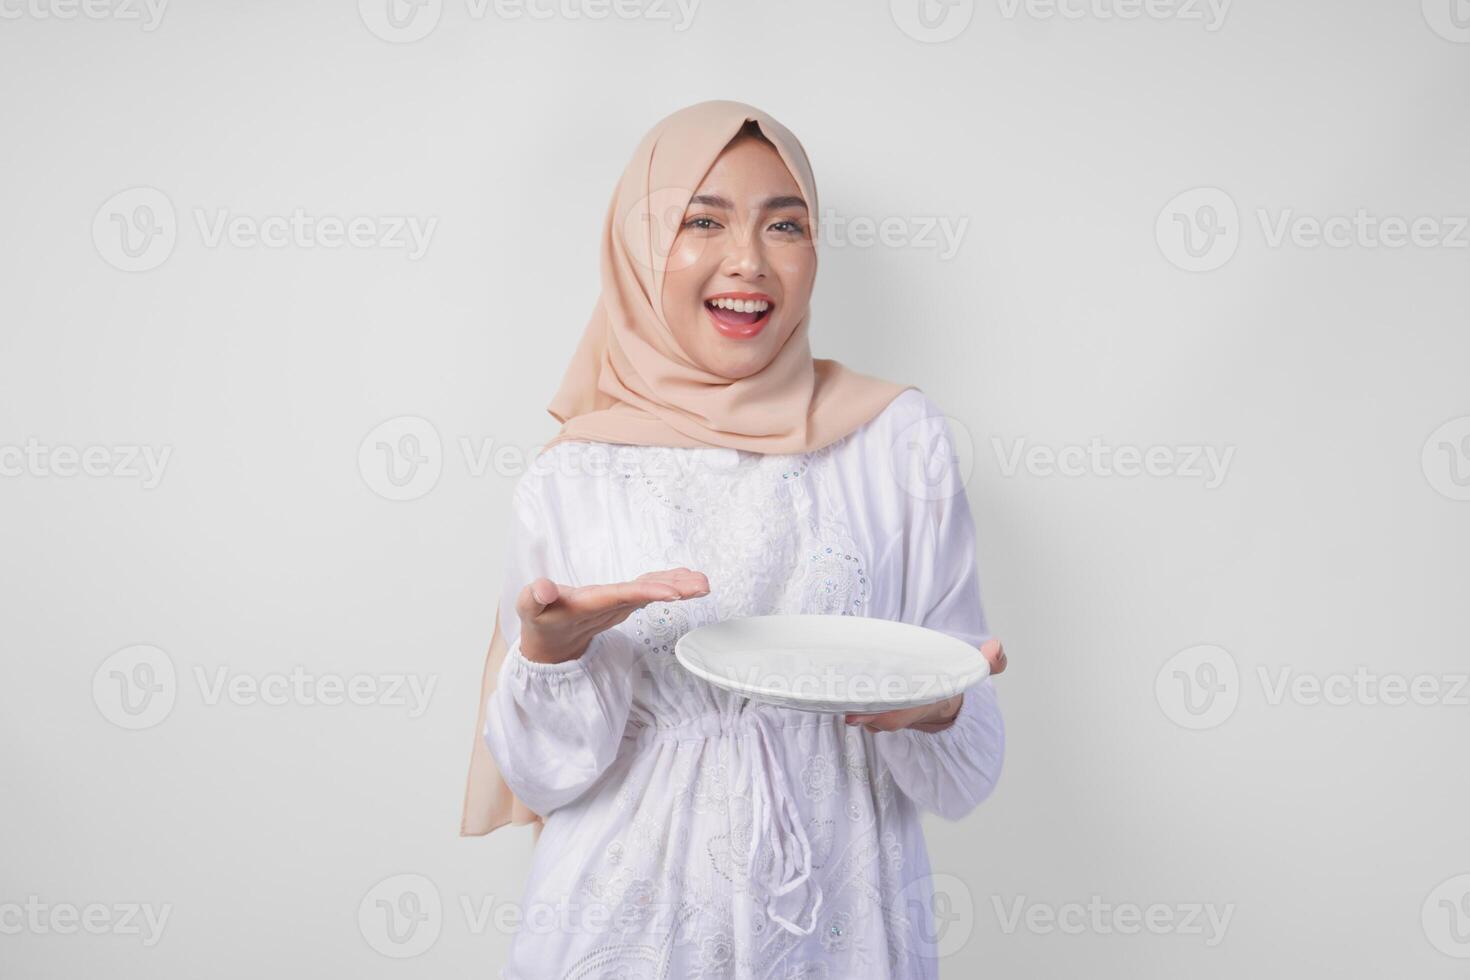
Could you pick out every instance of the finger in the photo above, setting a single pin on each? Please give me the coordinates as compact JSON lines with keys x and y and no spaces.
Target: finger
{"x":535,"y":597}
{"x":664,"y":573}
{"x":667,"y":571}
{"x":597,"y":599}
{"x":601,"y":607}
{"x":687,"y":581}
{"x":667,"y":585}
{"x":865,"y":721}
{"x":888,"y":721}
{"x":995,"y":653}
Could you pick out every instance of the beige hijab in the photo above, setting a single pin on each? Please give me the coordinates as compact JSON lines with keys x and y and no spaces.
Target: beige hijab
{"x":631,"y":383}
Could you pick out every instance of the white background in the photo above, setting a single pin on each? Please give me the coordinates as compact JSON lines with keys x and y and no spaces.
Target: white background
{"x":1061,"y":140}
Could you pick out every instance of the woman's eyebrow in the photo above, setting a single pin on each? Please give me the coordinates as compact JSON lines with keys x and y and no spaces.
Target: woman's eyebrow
{"x":786,"y":201}
{"x":772,"y":203}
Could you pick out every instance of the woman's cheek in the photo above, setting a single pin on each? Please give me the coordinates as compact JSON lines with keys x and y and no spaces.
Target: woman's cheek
{"x":685,"y":258}
{"x":682,"y":284}
{"x":796,"y":267}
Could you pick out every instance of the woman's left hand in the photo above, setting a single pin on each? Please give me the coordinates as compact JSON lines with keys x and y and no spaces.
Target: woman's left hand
{"x":930,"y":717}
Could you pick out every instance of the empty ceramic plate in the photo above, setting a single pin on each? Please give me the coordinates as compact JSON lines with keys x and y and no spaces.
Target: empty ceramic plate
{"x":831,"y":664}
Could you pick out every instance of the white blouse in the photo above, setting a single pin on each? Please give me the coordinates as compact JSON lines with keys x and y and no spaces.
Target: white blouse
{"x":693,"y":833}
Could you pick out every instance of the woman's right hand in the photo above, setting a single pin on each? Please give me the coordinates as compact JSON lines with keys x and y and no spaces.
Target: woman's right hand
{"x":558,"y":621}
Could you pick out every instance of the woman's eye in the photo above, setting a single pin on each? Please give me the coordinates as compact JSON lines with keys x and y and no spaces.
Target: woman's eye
{"x":788,"y":227}
{"x":704,"y":224}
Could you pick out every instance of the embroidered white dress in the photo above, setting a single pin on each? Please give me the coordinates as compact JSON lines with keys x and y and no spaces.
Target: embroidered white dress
{"x":692,"y":833}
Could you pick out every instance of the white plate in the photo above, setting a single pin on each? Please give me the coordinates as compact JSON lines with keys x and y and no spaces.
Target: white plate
{"x":831,"y":664}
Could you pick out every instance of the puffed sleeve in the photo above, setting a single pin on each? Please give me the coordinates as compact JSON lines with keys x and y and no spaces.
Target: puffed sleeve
{"x":553,"y":728}
{"x":952,"y":771}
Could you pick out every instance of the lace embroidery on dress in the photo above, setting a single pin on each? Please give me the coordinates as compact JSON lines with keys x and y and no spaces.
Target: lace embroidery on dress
{"x":770,"y":533}
{"x":767,"y":530}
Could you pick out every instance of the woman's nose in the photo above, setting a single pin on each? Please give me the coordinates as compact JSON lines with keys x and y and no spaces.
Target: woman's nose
{"x":745,"y":256}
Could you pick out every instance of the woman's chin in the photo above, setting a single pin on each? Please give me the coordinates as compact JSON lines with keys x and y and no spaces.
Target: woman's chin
{"x":731,"y":358}
{"x":741,"y":362}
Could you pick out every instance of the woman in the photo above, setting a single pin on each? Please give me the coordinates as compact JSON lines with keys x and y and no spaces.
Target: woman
{"x":708,"y":467}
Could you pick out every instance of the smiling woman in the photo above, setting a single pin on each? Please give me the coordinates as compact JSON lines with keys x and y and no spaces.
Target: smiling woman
{"x":743,"y":261}
{"x":709,"y":468}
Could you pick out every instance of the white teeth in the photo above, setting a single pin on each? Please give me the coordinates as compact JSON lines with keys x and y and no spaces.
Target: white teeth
{"x":741,"y":306}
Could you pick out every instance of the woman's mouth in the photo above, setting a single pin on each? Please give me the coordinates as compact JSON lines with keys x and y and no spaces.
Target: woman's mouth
{"x":739,"y":315}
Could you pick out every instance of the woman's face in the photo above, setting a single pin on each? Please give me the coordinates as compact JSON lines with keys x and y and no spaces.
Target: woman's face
{"x":745,"y":242}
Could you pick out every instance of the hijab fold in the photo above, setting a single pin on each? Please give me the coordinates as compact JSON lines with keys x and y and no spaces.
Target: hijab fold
{"x":629,"y":381}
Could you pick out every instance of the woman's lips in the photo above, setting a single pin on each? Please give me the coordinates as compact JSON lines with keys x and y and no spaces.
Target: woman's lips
{"x":738,"y":324}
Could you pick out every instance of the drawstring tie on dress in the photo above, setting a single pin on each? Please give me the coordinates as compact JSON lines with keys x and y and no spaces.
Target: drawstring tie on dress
{"x":774,"y":816}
